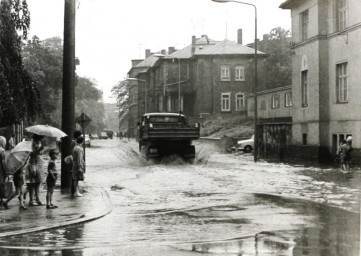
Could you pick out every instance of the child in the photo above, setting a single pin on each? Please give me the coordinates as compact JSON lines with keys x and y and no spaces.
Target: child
{"x":31,"y":178}
{"x":19,"y":188}
{"x":51,"y":179}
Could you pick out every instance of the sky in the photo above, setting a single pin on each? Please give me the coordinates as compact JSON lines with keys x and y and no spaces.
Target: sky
{"x":110,"y":33}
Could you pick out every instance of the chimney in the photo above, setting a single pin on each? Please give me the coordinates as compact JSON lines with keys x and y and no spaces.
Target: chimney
{"x":171,"y":49}
{"x":147,"y":53}
{"x":239,"y":36}
{"x":193,"y":44}
{"x":206,"y":37}
{"x":163,"y":52}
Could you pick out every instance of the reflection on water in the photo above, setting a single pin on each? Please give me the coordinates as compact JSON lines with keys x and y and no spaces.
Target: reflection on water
{"x":336,"y":233}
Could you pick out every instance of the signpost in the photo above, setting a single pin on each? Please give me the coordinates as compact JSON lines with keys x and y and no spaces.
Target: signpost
{"x":83,"y":120}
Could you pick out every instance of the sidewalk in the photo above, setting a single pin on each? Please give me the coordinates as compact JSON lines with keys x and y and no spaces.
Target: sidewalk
{"x":95,"y":204}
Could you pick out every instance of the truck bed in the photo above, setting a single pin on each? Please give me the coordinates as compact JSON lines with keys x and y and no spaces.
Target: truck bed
{"x":173,"y":133}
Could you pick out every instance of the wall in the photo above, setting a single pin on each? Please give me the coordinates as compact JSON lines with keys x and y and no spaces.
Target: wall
{"x":210,"y":87}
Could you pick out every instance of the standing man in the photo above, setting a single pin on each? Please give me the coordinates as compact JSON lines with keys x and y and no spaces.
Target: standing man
{"x":76,"y":135}
{"x":78,"y":165}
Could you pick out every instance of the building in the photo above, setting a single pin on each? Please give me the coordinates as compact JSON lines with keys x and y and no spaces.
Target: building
{"x":207,"y":77}
{"x":326,"y":59}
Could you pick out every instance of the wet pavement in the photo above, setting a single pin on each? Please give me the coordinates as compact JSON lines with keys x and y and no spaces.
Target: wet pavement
{"x":223,"y":204}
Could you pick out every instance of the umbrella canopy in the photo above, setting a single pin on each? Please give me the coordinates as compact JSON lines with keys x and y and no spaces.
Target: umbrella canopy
{"x":46,"y":130}
{"x":16,"y":158}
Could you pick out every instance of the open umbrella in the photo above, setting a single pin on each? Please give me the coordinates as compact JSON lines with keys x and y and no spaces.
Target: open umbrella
{"x":16,"y":158}
{"x":46,"y":130}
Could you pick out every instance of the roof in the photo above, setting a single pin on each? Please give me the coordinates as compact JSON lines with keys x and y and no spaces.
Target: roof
{"x":226,"y":47}
{"x":288,"y":4}
{"x":201,"y":44}
{"x":148,"y":62}
{"x":163,"y":114}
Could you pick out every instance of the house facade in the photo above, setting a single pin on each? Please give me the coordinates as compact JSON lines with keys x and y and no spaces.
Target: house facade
{"x":207,"y":77}
{"x":326,"y":59}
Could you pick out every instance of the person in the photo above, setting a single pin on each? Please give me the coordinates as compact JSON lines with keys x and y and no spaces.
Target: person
{"x":348,"y":150}
{"x":2,"y":170}
{"x":345,"y":155}
{"x":18,"y":180}
{"x":12,"y":142}
{"x":76,"y":135}
{"x":33,"y":179}
{"x":78,"y":165}
{"x":51,"y":179}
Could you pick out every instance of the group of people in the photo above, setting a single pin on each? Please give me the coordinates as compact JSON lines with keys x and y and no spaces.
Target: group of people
{"x":345,"y":154}
{"x":28,"y":179}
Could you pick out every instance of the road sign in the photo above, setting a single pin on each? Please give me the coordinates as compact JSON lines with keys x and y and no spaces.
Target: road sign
{"x":83,"y":120}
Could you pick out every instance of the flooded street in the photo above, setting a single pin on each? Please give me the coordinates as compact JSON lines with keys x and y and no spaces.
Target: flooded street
{"x":223,"y":204}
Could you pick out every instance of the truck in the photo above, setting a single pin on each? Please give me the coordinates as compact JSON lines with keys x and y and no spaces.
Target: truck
{"x":161,"y":134}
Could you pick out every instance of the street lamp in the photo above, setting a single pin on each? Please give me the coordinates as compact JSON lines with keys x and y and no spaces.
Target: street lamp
{"x":255,"y":72}
{"x":145,"y":90}
{"x":179,"y":77}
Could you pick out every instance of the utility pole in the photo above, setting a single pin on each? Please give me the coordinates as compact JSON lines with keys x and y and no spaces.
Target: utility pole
{"x":68,"y":119}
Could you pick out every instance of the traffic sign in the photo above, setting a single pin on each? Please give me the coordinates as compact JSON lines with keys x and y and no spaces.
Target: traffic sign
{"x":83,"y":120}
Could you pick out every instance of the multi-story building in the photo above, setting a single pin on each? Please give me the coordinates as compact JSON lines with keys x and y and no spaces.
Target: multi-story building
{"x":207,"y":77}
{"x":326,"y":59}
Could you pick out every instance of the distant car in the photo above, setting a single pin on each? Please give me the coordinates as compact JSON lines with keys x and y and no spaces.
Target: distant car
{"x":94,"y":136}
{"x":245,"y":145}
{"x":87,"y":141}
{"x":103,"y":135}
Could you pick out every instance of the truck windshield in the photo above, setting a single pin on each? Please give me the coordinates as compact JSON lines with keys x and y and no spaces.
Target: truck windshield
{"x":164,"y":119}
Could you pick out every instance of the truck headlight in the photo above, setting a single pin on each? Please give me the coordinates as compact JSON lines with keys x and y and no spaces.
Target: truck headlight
{"x":150,"y":125}
{"x":196,"y":125}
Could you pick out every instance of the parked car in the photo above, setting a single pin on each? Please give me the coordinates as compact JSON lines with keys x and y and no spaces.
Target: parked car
{"x":87,"y":141}
{"x":103,"y":135}
{"x":245,"y":145}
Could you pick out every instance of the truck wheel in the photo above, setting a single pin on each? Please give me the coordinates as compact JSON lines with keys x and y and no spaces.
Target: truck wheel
{"x":247,"y":149}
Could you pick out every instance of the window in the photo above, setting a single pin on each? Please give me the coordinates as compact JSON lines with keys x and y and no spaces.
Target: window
{"x":304,"y":25}
{"x":275,"y":101}
{"x":341,"y":82}
{"x":288,"y":99}
{"x":304,"y":88}
{"x":341,"y":14}
{"x":225,"y":75}
{"x":240,"y":101}
{"x":239,"y":73}
{"x":226,"y":101}
{"x":304,"y":139}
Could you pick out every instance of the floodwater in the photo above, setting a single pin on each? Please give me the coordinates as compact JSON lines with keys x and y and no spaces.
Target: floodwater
{"x":223,"y":204}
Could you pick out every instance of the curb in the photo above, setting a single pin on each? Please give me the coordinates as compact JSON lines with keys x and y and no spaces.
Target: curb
{"x":107,"y":208}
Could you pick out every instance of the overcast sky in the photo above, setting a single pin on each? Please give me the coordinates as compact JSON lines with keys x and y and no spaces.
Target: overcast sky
{"x":109,"y":33}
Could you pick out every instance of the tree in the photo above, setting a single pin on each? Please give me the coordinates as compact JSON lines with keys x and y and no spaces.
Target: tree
{"x":88,"y":100}
{"x":19,"y":95}
{"x":43,"y":60}
{"x":120,"y":91}
{"x":277,"y":68}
